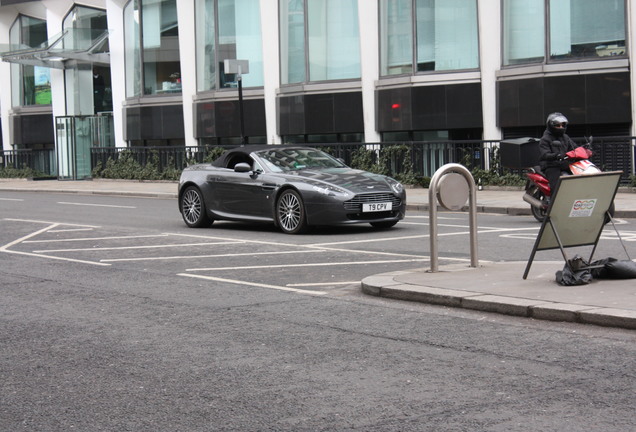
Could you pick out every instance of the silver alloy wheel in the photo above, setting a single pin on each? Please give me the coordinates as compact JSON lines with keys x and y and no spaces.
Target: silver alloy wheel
{"x":290,"y":212}
{"x":193,"y":208}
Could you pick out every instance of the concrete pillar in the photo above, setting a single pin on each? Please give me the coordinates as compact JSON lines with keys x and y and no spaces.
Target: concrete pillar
{"x":370,"y":64}
{"x":271,"y":56}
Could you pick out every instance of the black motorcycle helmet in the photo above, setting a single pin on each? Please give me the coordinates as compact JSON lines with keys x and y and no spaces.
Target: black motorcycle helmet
{"x":557,"y":123}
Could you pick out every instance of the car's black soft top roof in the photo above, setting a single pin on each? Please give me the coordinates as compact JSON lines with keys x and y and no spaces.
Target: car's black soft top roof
{"x":229,"y":156}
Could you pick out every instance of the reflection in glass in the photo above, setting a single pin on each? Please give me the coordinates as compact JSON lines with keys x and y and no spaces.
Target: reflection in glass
{"x":586,"y":28}
{"x":30,"y":85}
{"x":447,"y":35}
{"x":292,"y":41}
{"x":396,"y":37}
{"x":206,"y":48}
{"x":240,"y":39}
{"x":333,"y":40}
{"x":132,"y":49}
{"x":523,"y":31}
{"x":160,"y":37}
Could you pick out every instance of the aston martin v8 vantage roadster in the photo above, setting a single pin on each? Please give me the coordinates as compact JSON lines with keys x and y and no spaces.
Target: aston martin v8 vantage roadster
{"x":293,"y":187}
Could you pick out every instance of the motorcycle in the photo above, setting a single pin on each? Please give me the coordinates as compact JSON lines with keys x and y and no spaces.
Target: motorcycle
{"x":537,"y":189}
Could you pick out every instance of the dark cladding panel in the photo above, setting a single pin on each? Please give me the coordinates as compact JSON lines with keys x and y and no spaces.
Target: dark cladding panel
{"x":348,"y":116}
{"x":132,"y":131}
{"x":394,"y":109}
{"x":429,"y":108}
{"x":508,"y":103}
{"x":33,"y":129}
{"x":151,"y":122}
{"x":204,"y":125}
{"x":227,"y":119}
{"x":222,"y":118}
{"x":530,"y":102}
{"x":608,"y":98}
{"x":566,"y":94}
{"x":172,"y":122}
{"x":291,"y":115}
{"x":520,"y":102}
{"x":319,"y":114}
{"x":463,"y":106}
{"x":254,"y":110}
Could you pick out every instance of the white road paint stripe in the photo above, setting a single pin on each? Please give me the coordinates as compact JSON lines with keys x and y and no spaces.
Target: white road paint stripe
{"x":96,"y":205}
{"x":33,"y":234}
{"x":324,"y":284}
{"x":97,"y":238}
{"x":50,"y":223}
{"x":6,"y":247}
{"x":54,"y":257}
{"x":131,"y":247}
{"x":68,"y":230}
{"x":210,"y":256}
{"x":259,"y":285}
{"x":11,"y":199}
{"x":326,"y":264}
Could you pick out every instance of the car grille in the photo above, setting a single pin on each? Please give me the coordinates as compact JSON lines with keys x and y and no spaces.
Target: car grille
{"x":355,"y":204}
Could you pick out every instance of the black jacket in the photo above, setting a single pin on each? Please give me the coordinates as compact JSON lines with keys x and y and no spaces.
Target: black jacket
{"x":552,"y":149}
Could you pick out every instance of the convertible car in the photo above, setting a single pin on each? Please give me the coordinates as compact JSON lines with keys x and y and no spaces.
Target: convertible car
{"x":293,"y":187}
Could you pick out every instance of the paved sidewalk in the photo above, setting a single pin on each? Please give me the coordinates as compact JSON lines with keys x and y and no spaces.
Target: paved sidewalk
{"x":492,"y":287}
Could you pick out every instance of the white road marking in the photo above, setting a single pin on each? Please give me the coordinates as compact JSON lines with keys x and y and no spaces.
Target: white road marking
{"x":326,"y":264}
{"x":6,"y":247}
{"x":132,"y":247}
{"x":239,"y":282}
{"x":210,"y":256}
{"x":96,"y":205}
{"x":70,"y":230}
{"x":50,"y":223}
{"x":97,"y":238}
{"x":11,"y":199}
{"x":324,"y":284}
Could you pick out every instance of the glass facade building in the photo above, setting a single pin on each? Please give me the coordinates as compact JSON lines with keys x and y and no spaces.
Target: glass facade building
{"x":323,"y":70}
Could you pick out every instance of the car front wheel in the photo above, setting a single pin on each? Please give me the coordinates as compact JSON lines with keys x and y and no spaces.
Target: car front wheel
{"x":290,"y":213}
{"x":193,"y":208}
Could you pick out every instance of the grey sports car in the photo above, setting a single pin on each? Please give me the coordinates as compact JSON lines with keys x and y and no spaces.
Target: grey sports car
{"x":293,"y":187}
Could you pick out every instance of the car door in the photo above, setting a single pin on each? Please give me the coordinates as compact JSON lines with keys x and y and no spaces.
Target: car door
{"x":244,"y":193}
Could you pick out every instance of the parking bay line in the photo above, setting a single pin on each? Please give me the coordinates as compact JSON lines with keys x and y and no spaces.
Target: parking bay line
{"x":136,"y":247}
{"x":259,"y":285}
{"x":96,"y":205}
{"x":189,"y":257}
{"x":331,"y":264}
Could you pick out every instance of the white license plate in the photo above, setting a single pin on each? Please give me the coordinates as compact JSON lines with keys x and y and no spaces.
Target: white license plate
{"x":377,"y":207}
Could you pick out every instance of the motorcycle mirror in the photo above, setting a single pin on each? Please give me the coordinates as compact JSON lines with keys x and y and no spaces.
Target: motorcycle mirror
{"x":589,"y":140}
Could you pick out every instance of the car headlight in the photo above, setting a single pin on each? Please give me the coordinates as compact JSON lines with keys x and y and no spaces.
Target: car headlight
{"x":331,"y":191}
{"x":397,"y":187}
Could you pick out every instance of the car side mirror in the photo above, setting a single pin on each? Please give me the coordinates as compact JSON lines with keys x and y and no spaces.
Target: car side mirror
{"x":242,"y":167}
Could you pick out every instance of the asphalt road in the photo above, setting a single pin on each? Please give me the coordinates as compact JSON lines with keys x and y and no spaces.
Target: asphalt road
{"x":115,"y":316}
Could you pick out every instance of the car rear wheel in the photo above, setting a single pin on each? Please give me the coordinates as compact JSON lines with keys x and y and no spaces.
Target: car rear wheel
{"x":193,"y":208}
{"x":290,"y":213}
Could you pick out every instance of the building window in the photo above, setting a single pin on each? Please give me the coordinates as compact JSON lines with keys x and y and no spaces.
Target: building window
{"x":443,"y":32}
{"x":30,"y":85}
{"x":524,"y":31}
{"x":331,"y":48}
{"x":585,"y":29}
{"x":82,"y":27}
{"x":152,"y":47}
{"x":228,"y":30}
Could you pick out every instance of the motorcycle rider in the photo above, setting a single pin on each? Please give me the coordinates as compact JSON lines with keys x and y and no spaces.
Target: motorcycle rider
{"x":554,"y":144}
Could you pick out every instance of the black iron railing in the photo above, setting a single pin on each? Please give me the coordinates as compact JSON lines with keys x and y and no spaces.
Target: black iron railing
{"x":419,"y":159}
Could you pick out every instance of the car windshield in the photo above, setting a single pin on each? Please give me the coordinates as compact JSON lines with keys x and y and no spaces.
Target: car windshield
{"x":279,"y":160}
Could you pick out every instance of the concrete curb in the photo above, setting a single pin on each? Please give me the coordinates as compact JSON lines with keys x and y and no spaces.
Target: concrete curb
{"x":385,"y":285}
